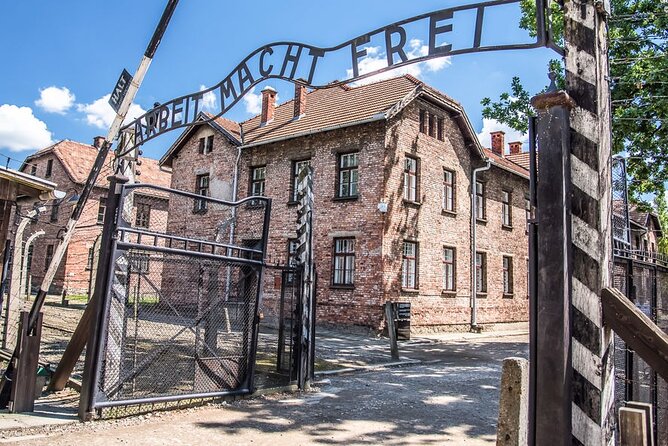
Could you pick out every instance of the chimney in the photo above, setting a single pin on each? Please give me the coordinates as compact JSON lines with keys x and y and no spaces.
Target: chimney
{"x":498,"y":142}
{"x":515,"y":147}
{"x":268,"y":105}
{"x":98,"y":141}
{"x":300,"y":100}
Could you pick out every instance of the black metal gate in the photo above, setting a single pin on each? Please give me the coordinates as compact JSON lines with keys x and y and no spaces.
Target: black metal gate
{"x":180,"y":311}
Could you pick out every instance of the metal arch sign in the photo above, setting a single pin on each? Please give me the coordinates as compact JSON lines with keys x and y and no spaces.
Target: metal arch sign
{"x":300,"y":63}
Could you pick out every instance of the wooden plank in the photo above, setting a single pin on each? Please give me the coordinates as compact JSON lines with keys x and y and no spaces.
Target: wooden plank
{"x":23,"y":390}
{"x":636,"y":329}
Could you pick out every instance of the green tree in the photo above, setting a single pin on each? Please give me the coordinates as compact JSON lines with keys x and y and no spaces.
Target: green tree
{"x":638,"y":44}
{"x":661,"y":207}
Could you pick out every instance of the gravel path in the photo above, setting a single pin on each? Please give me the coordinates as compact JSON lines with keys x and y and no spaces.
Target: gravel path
{"x":451,"y":398}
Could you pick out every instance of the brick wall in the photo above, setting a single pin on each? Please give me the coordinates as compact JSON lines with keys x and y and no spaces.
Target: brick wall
{"x":378,"y":236}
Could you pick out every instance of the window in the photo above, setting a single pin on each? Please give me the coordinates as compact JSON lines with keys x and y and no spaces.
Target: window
{"x":293,"y":244}
{"x":48,"y":256}
{"x":423,"y":121}
{"x":143,"y":215}
{"x":527,"y":212}
{"x":507,"y":275}
{"x":411,"y":179}
{"x":140,"y":263}
{"x":101,"y":209}
{"x":206,"y":145}
{"x":432,"y":125}
{"x":91,"y":258}
{"x":343,"y":261}
{"x":439,"y":129}
{"x":481,"y":272}
{"x":55,"y":208}
{"x":49,"y":169}
{"x":297,"y":167}
{"x":348,"y":175}
{"x":409,"y":266}
{"x":29,"y":259}
{"x":202,"y":188}
{"x":258,"y":175}
{"x":449,"y":263}
{"x":480,"y":200}
{"x":448,"y":190}
{"x":33,"y":170}
{"x":506,"y":210}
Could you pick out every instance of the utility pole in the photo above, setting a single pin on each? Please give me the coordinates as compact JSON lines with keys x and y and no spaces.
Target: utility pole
{"x":129,"y":89}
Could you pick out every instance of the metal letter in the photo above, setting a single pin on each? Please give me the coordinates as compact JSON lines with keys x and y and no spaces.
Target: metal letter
{"x":197,"y":97}
{"x":266,"y":72}
{"x":227,"y":89}
{"x":244,"y":76}
{"x":290,"y":58}
{"x":478,"y":27}
{"x":175,"y":111}
{"x":316,"y":53}
{"x":357,"y":54}
{"x":163,"y":120}
{"x":398,"y":48}
{"x":434,"y":29}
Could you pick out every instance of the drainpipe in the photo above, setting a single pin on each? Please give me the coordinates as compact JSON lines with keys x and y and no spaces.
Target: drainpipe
{"x":474,"y":281}
{"x":235,"y":183}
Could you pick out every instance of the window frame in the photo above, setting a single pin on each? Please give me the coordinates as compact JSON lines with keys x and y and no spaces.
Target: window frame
{"x":440,"y":122}
{"x":205,"y":145}
{"x":344,"y":255}
{"x":55,"y":211}
{"x":48,"y":256}
{"x":259,"y":181}
{"x":452,"y":264}
{"x":452,"y":187}
{"x":101,"y":210}
{"x":423,"y":121}
{"x":406,"y":261}
{"x":49,"y":169}
{"x":527,"y":212}
{"x":506,"y":208}
{"x":33,"y":170}
{"x":481,"y":272}
{"x":406,"y":179}
{"x":507,"y":275}
{"x":481,"y":201}
{"x":350,"y":169}
{"x":294,"y":176}
{"x":432,"y":125}
{"x":200,"y":206}
{"x":139,"y":222}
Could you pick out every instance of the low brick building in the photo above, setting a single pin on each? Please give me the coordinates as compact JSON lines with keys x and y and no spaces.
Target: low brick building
{"x":393,"y":164}
{"x":67,"y":164}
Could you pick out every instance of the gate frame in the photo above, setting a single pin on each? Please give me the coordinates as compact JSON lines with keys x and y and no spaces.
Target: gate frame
{"x":109,"y":253}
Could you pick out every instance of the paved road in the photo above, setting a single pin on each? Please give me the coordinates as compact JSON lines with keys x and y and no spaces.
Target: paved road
{"x":451,"y":398}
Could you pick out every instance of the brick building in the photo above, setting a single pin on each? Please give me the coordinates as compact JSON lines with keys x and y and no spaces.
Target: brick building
{"x":393,"y":164}
{"x":67,"y":164}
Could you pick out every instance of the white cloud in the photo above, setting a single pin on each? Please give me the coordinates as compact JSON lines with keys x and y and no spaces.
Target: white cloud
{"x":376,"y":60}
{"x":101,"y":115}
{"x":492,"y":125}
{"x":21,"y":130}
{"x":55,"y":100}
{"x":253,"y":102}
{"x":209,"y":100}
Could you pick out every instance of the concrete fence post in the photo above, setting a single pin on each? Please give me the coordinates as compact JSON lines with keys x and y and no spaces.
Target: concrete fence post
{"x":513,"y":403}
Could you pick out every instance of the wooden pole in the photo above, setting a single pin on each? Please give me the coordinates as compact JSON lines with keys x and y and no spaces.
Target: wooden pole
{"x":587,"y":83}
{"x":552,"y":398}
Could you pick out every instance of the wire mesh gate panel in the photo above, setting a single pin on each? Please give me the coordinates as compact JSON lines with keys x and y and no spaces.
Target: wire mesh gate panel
{"x":181,"y":307}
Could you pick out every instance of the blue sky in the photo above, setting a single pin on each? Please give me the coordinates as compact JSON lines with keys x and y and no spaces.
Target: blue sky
{"x":60,"y":59}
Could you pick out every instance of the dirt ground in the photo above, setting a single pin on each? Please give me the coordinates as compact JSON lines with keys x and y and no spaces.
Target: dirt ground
{"x":451,"y":397}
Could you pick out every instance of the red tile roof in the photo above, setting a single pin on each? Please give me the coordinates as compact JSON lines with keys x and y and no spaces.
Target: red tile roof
{"x":505,"y":163}
{"x":328,"y":108}
{"x":520,"y":158}
{"x":78,"y":159}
